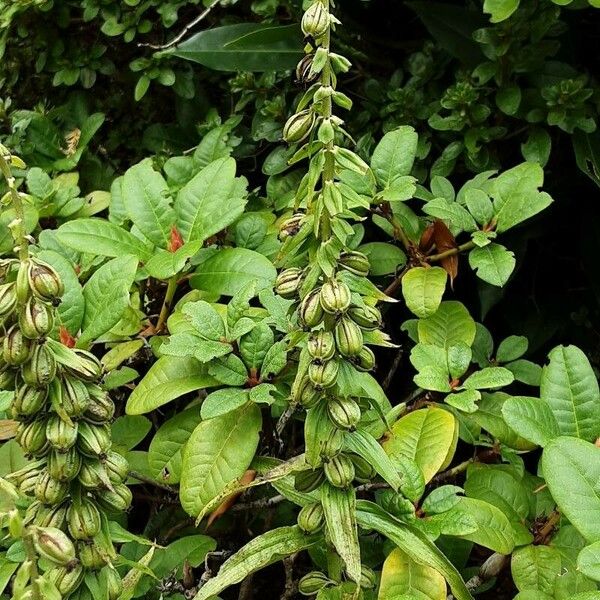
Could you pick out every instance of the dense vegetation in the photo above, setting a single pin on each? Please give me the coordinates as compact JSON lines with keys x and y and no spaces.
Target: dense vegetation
{"x":299,"y":298}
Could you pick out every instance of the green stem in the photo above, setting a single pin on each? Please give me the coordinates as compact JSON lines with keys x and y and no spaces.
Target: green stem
{"x":18,"y":225}
{"x":453,"y":251}
{"x":166,"y":307}
{"x":32,"y":557}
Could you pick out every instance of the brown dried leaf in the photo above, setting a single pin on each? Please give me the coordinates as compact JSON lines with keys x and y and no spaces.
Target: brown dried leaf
{"x":444,"y":241}
{"x":248,"y":477}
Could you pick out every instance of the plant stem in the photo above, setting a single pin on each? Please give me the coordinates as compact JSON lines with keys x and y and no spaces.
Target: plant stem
{"x":453,"y":472}
{"x":399,"y":232}
{"x":166,"y":307}
{"x":32,"y":557}
{"x":453,"y":251}
{"x":18,"y":225}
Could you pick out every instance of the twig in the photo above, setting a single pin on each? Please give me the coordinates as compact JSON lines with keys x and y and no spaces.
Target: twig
{"x":393,"y":368}
{"x":246,"y":589}
{"x":148,"y":480}
{"x":260,"y":503}
{"x":391,"y":289}
{"x":490,"y":568}
{"x":166,"y":307}
{"x":453,"y":251}
{"x":184,"y":31}
{"x":290,"y":585}
{"x":453,"y":472}
{"x":283,"y":420}
{"x":369,"y":487}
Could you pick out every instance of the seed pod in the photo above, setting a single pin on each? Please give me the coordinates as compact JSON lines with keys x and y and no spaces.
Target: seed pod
{"x":22,"y":288}
{"x":298,"y":127}
{"x":368,"y":317}
{"x":339,"y":471}
{"x":288,"y":282}
{"x":88,"y":367}
{"x":368,"y":578}
{"x":311,"y":518}
{"x":304,"y":72}
{"x":290,"y":227}
{"x":36,"y":319}
{"x":16,"y":348}
{"x":348,"y":337}
{"x":315,"y":20}
{"x":333,"y":444}
{"x":49,"y":490}
{"x":365,"y":361}
{"x":75,"y":396}
{"x":61,"y":435}
{"x":83,"y":520}
{"x":114,"y":584}
{"x":66,"y":580}
{"x":32,"y":437}
{"x":313,"y":582}
{"x":116,"y":500}
{"x":321,"y":345}
{"x":344,"y":412}
{"x":307,"y":481}
{"x":28,"y":401}
{"x":27,"y":484}
{"x":8,"y":298}
{"x":41,"y":368}
{"x":50,"y":516}
{"x":309,"y":395}
{"x":91,"y":555}
{"x":101,"y":408}
{"x":364,"y":470}
{"x":44,"y":281}
{"x":64,"y":466}
{"x":355,"y":262}
{"x":323,"y":375}
{"x":53,"y":544}
{"x":7,"y":379}
{"x":116,"y":466}
{"x":31,"y":469}
{"x":93,"y":440}
{"x":93,"y":475}
{"x":335,"y":297}
{"x":310,"y":311}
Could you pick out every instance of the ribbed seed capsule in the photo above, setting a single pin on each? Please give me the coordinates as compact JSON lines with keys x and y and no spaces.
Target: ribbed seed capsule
{"x":40,"y":370}
{"x":333,"y":444}
{"x":321,"y":345}
{"x":312,"y":583}
{"x":31,"y":469}
{"x":335,"y":296}
{"x":315,"y":20}
{"x":16,"y":347}
{"x":343,"y":412}
{"x":91,"y":555}
{"x":323,"y":375}
{"x":61,"y":435}
{"x":93,"y":475}
{"x":304,"y":72}
{"x":83,"y":520}
{"x":365,"y":361}
{"x":50,"y":516}
{"x":309,"y":395}
{"x":64,"y":466}
{"x":348,"y":337}
{"x":116,"y":466}
{"x":7,"y":379}
{"x":44,"y":281}
{"x":339,"y":471}
{"x":101,"y":408}
{"x":368,"y":578}
{"x":311,"y":518}
{"x":116,"y":500}
{"x":66,"y":580}
{"x":75,"y":396}
{"x":364,"y":470}
{"x":290,"y":227}
{"x":307,"y":481}
{"x":114,"y":583}
{"x":49,"y":490}
{"x":88,"y":367}
{"x":28,"y":483}
{"x":93,"y":440}
{"x":53,"y":544}
{"x":355,"y":262}
{"x":8,"y":299}
{"x":23,"y":290}
{"x":32,"y":437}
{"x":36,"y":319}
{"x":310,"y":311}
{"x":298,"y":127}
{"x":368,"y":317}
{"x":28,"y":401}
{"x":288,"y":282}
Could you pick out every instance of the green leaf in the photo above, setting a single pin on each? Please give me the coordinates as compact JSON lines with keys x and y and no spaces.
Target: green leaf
{"x":588,"y":561}
{"x":492,"y":263}
{"x":531,"y":418}
{"x":128,"y":431}
{"x":164,"y":264}
{"x":168,"y":378}
{"x":164,"y":453}
{"x":511,"y":348}
{"x":147,"y":202}
{"x":570,"y":388}
{"x":106,"y":296}
{"x":260,"y":552}
{"x":101,"y":238}
{"x":7,"y":569}
{"x":508,"y":98}
{"x":516,"y":196}
{"x":538,"y":146}
{"x":423,"y":288}
{"x":571,"y":468}
{"x":243,"y":47}
{"x":211,"y":201}
{"x":385,"y":258}
{"x":500,"y":10}
{"x":255,"y":345}
{"x":205,"y":319}
{"x":465,"y":401}
{"x":231,"y":269}
{"x":394,"y":156}
{"x":223,"y":401}
{"x":535,"y":568}
{"x":218,"y":453}
{"x":450,"y":325}
{"x":489,"y":377}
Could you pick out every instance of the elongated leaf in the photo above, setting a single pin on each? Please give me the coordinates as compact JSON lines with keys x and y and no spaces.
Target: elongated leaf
{"x":588,"y":561}
{"x":260,"y":552}
{"x":168,"y":378}
{"x":413,"y":542}
{"x":423,"y":288}
{"x":448,"y":326}
{"x":394,"y":155}
{"x":535,"y":568}
{"x":531,"y":418}
{"x":218,"y":452}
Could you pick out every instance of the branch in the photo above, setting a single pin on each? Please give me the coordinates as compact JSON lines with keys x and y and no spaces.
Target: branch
{"x":453,"y":251}
{"x":148,"y":480}
{"x":257,"y":504}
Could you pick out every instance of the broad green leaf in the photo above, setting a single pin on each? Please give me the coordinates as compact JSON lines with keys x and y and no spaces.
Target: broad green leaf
{"x":218,"y":453}
{"x":205,"y":319}
{"x":531,"y":418}
{"x":231,"y":269}
{"x":164,"y":453}
{"x":147,"y":202}
{"x":101,"y":238}
{"x":191,"y":548}
{"x":223,"y":401}
{"x":211,"y":201}
{"x":511,"y":348}
{"x":535,"y":568}
{"x":401,"y":575}
{"x":165,"y":264}
{"x":427,"y":436}
{"x":385,"y":258}
{"x":168,"y":378}
{"x":423,"y":288}
{"x":394,"y":155}
{"x":492,"y":263}
{"x":500,"y":10}
{"x":106,"y":296}
{"x":442,"y":499}
{"x":571,"y":468}
{"x":588,"y":561}
{"x":260,"y":552}
{"x":489,"y":377}
{"x":7,"y":569}
{"x":128,"y":431}
{"x":450,"y":325}
{"x":570,"y":388}
{"x":255,"y":345}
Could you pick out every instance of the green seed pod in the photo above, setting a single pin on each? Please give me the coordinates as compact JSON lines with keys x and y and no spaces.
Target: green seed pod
{"x":36,"y":319}
{"x":101,"y":408}
{"x":116,"y":466}
{"x":83,"y":520}
{"x":364,"y":470}
{"x":7,"y":379}
{"x":368,"y":578}
{"x":27,"y":484}
{"x":64,"y":466}
{"x":53,"y":544}
{"x":22,"y":289}
{"x":66,"y":580}
{"x":290,"y":227}
{"x":93,"y":440}
{"x":116,"y":500}
{"x":321,"y":345}
{"x":368,"y":317}
{"x":348,"y":337}
{"x":61,"y":435}
{"x":31,"y":469}
{"x":114,"y":583}
{"x":315,"y":20}
{"x":8,"y":298}
{"x":28,"y":401}
{"x":339,"y":471}
{"x":88,"y":367}
{"x":16,"y":348}
{"x":310,"y":311}
{"x":334,"y":443}
{"x":50,"y":516}
{"x":93,"y":475}
{"x":49,"y":490}
{"x":288,"y":282}
{"x":355,"y":262}
{"x":44,"y":281}
{"x":313,"y":582}
{"x":75,"y":397}
{"x":41,"y":368}
{"x":307,"y":481}
{"x":365,"y":361}
{"x":309,"y":395}
{"x":335,"y":297}
{"x":311,"y":518}
{"x":91,"y":555}
{"x":343,"y":412}
{"x":323,"y":374}
{"x":32,"y":437}
{"x":298,"y":127}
